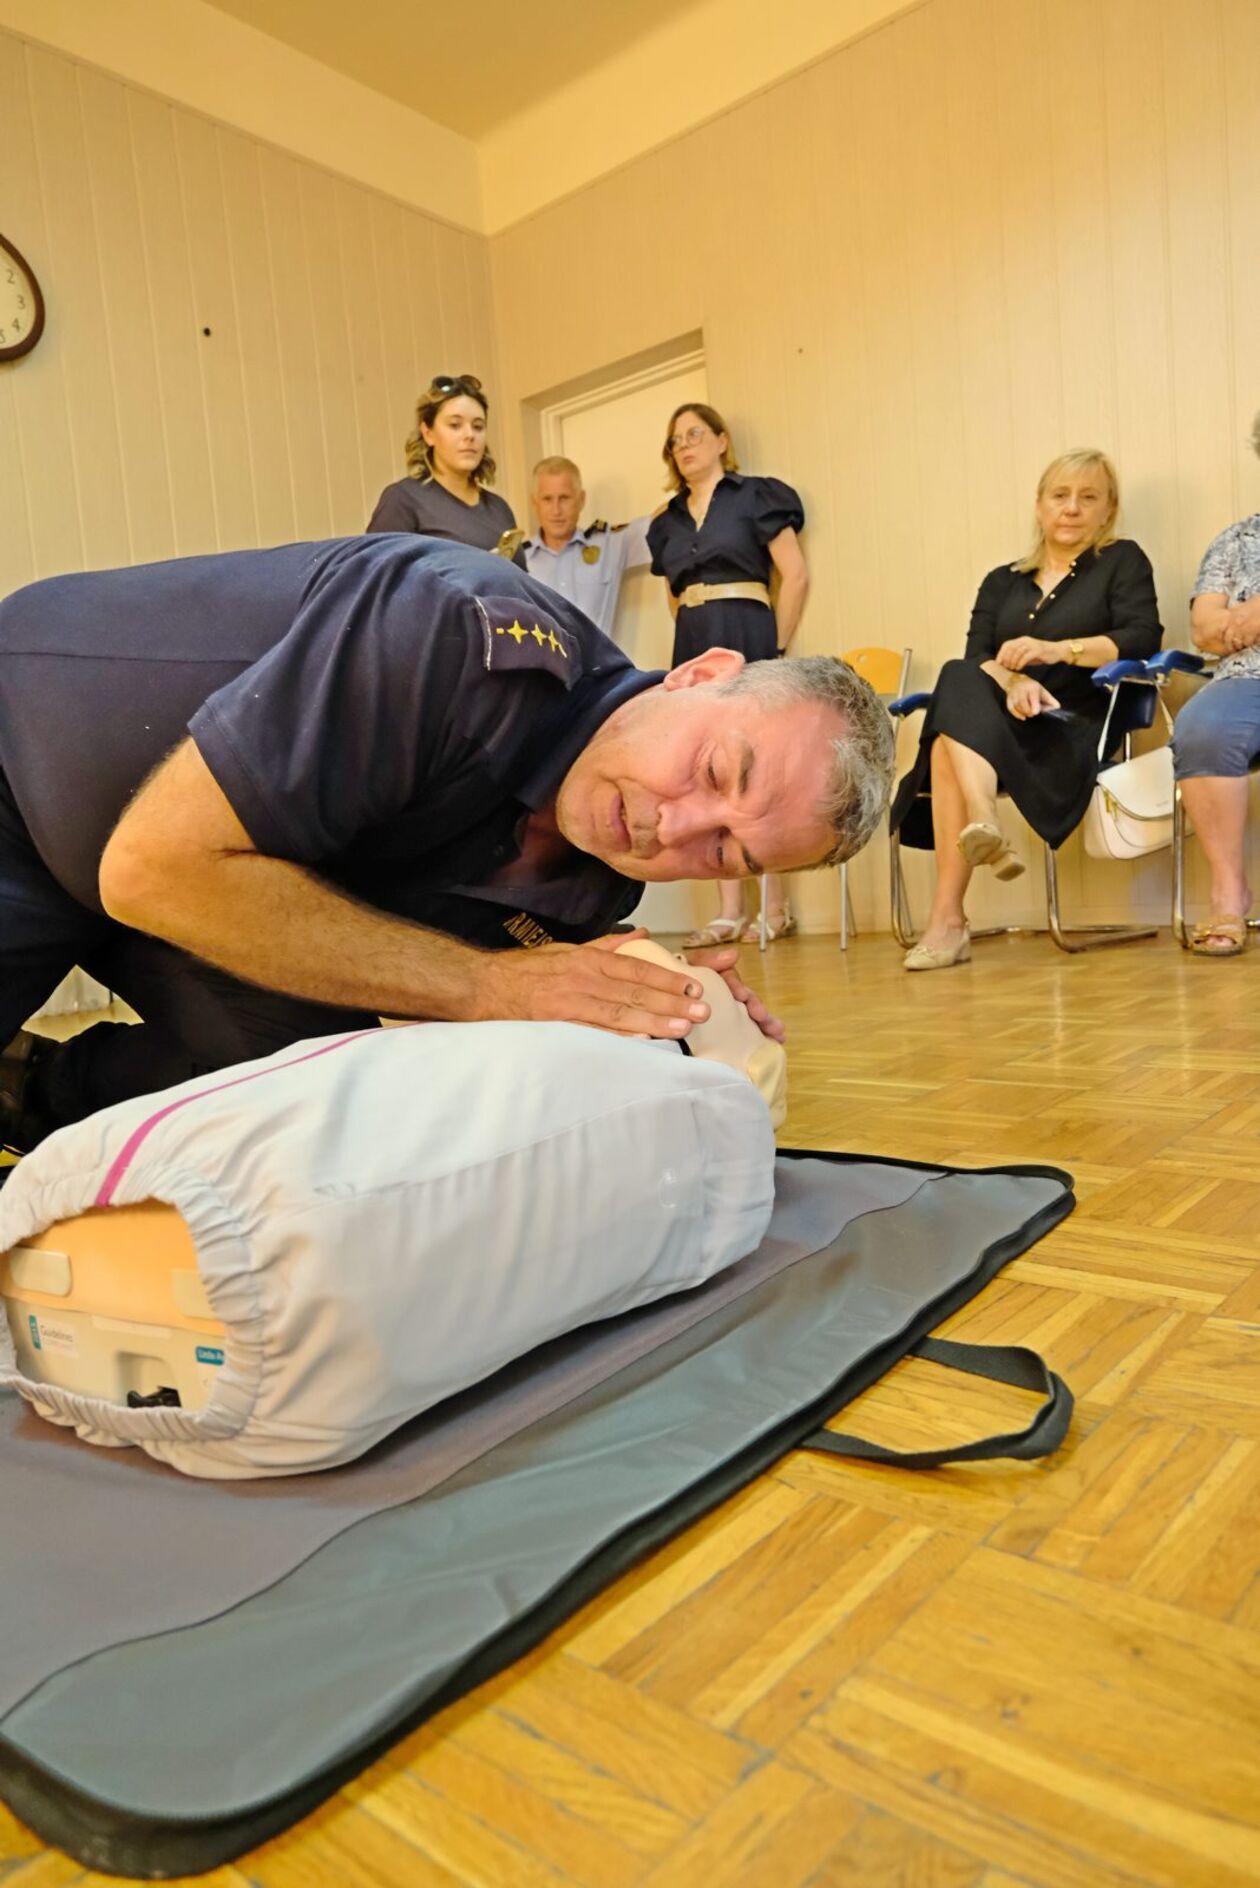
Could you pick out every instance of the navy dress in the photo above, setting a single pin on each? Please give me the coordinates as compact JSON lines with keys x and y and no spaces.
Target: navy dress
{"x":745,"y":515}
{"x":1048,"y":764}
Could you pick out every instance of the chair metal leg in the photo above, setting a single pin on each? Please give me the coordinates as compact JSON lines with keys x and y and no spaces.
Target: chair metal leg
{"x":899,"y":903}
{"x":1083,"y":937}
{"x":1179,"y":870}
{"x":848,"y":922}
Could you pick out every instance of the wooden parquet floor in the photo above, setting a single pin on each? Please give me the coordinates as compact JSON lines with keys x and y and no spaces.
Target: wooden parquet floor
{"x":998,"y":1676}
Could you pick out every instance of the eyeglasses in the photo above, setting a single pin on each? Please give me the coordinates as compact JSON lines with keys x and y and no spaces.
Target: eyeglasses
{"x":692,"y":437}
{"x":455,"y":383}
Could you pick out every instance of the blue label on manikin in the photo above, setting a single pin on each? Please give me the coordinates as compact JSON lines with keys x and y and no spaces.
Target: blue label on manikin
{"x":206,"y":1354}
{"x":34,"y":1324}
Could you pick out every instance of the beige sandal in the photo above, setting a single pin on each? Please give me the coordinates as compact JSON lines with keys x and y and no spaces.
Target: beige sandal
{"x":1232,"y":929}
{"x":983,"y":844}
{"x":781,"y":925}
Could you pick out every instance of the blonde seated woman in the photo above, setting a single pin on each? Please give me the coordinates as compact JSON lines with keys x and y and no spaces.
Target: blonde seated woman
{"x":1018,"y":713}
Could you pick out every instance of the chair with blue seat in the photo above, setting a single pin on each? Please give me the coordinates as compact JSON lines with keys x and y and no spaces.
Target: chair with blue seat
{"x":1163,"y":667}
{"x":1136,"y":695}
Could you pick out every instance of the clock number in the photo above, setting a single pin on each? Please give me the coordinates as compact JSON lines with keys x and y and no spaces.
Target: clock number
{"x":9,"y":273}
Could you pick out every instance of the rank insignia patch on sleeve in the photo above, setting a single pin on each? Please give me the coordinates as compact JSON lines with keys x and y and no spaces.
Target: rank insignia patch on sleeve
{"x":518,"y":636}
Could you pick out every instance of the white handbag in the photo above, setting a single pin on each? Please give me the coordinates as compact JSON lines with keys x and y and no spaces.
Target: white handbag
{"x":1130,"y":811}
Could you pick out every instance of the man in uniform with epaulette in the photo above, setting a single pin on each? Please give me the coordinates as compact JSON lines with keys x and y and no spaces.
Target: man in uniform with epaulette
{"x":584,"y":563}
{"x":270,"y":795}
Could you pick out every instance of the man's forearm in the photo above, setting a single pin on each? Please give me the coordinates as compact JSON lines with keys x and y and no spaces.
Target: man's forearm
{"x":280,"y":926}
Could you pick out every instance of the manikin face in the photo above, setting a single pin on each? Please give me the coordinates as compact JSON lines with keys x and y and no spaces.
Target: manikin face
{"x":457,"y":436}
{"x":1073,"y":510}
{"x":684,"y":782}
{"x":730,"y":1034}
{"x":558,"y":500}
{"x":696,"y":457}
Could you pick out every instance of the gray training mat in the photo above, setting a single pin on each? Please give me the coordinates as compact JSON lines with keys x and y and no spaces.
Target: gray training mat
{"x":328,"y":1613}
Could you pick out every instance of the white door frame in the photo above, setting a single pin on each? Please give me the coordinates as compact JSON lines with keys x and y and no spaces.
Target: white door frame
{"x":552,"y":418}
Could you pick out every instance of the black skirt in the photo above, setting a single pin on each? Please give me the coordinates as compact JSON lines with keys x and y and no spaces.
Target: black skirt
{"x":727,"y":623}
{"x":1047,"y":765}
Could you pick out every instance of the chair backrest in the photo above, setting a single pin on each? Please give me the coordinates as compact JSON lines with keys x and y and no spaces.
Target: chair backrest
{"x":1135,"y":709}
{"x":887,"y":670}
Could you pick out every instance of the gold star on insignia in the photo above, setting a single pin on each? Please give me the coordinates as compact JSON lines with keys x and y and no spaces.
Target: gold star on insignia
{"x":555,"y":642}
{"x":538,"y":636}
{"x":517,"y":634}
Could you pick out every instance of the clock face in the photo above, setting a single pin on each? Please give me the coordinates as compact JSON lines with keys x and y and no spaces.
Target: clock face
{"x":21,"y":304}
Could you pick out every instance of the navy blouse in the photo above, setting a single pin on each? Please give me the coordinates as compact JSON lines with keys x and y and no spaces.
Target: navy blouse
{"x":744,"y":516}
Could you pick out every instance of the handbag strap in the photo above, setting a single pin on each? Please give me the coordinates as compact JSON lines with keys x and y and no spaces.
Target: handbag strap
{"x":1000,"y":1363}
{"x":1115,"y":696}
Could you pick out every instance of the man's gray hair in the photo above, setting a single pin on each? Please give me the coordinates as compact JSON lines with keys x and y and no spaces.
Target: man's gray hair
{"x":861,"y":777}
{"x":1255,"y":435}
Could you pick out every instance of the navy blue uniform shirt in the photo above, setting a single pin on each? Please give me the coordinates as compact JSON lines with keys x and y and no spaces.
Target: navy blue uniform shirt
{"x":386,"y":710}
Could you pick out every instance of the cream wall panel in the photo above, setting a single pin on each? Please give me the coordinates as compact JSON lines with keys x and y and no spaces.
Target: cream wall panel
{"x":128,"y":317}
{"x":74,"y":278}
{"x":138,"y":435}
{"x":256,"y":328}
{"x":298,"y":373}
{"x":988,"y":231}
{"x":200,"y":56}
{"x":182,"y":443}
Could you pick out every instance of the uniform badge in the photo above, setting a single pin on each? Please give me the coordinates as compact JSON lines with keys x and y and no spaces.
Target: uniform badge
{"x":590,"y":553}
{"x":518,"y":636}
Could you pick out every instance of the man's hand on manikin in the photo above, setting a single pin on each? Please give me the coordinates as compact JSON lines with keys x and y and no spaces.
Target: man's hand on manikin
{"x":590,"y":983}
{"x":723,"y":960}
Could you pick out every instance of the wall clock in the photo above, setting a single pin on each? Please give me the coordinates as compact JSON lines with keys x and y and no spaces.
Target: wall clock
{"x":21,"y":304}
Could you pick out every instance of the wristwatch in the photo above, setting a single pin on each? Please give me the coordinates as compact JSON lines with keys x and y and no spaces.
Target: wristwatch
{"x":1076,"y":646}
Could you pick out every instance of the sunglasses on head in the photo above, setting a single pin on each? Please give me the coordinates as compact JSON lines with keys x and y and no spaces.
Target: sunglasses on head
{"x":455,"y":383}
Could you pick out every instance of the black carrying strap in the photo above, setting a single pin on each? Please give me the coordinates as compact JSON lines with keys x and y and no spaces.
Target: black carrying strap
{"x":1001,"y":1363}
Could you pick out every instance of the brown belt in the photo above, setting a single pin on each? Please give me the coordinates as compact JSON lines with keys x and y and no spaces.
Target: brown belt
{"x":697,"y":593}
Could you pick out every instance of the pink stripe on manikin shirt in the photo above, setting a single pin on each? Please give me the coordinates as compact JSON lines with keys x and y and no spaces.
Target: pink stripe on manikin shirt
{"x":138,"y":1136}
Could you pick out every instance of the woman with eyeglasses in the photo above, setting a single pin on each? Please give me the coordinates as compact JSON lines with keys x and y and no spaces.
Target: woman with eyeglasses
{"x":449,"y":467}
{"x":718,"y":542}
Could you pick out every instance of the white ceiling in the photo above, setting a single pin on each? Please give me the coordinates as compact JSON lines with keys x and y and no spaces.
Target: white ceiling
{"x":470,"y":68}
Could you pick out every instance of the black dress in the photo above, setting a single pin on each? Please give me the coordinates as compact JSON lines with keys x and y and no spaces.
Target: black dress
{"x":1047,"y":764}
{"x":424,"y":506}
{"x":743,"y":518}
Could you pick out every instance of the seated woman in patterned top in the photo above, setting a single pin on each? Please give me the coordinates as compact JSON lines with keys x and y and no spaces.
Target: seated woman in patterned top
{"x":1217,"y":734}
{"x":1018,"y":713}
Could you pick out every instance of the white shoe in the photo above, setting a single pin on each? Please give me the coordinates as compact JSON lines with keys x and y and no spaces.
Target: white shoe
{"x":927,"y":957}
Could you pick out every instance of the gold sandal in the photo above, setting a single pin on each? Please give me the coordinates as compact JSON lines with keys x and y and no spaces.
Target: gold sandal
{"x":1232,"y":929}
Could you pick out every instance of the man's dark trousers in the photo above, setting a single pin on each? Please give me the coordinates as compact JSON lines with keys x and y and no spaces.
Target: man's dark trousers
{"x":196,"y":1018}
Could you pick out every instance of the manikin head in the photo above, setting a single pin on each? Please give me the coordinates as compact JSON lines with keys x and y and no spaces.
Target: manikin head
{"x":730,"y":1035}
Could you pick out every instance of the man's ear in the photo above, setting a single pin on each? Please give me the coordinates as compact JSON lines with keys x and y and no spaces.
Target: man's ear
{"x":715,"y":665}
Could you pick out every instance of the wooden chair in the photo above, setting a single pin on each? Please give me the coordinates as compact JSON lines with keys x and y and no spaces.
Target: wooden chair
{"x":888,"y":672}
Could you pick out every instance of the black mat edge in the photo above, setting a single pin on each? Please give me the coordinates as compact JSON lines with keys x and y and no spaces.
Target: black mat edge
{"x":122,"y":1843}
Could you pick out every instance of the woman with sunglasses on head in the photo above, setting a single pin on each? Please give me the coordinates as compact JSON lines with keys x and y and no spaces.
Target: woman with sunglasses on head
{"x":717,"y":543}
{"x":449,"y":467}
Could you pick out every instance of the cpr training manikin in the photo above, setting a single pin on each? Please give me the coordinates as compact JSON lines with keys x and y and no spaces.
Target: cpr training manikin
{"x":265,"y":1271}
